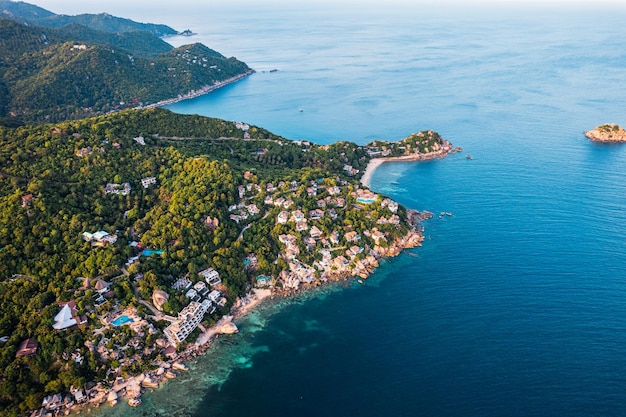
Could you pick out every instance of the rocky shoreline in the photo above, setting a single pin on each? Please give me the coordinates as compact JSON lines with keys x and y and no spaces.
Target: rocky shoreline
{"x":197,"y":93}
{"x":607,"y":133}
{"x":131,"y":389}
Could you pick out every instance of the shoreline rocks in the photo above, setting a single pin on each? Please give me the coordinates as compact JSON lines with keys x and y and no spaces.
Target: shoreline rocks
{"x":609,"y":132}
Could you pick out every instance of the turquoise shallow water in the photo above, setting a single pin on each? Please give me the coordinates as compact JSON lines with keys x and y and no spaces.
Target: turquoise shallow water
{"x":515,"y":305}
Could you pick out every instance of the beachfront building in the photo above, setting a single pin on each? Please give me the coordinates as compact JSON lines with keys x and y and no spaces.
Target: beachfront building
{"x":390,"y":204}
{"x":188,"y":319}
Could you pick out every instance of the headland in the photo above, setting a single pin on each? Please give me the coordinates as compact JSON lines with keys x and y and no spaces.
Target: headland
{"x":374,"y":163}
{"x":213,"y":240}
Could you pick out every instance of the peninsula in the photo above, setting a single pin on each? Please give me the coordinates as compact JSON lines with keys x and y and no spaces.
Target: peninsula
{"x":420,"y":146}
{"x":131,"y":235}
{"x":128,"y":240}
{"x":607,"y":133}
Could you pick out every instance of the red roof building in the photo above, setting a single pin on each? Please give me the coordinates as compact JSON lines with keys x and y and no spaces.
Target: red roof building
{"x":28,"y":347}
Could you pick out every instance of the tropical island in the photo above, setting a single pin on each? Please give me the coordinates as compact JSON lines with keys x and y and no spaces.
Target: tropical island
{"x":609,"y":132}
{"x":130,"y":238}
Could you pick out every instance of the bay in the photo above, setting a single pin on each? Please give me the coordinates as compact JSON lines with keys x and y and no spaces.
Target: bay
{"x":515,"y":305}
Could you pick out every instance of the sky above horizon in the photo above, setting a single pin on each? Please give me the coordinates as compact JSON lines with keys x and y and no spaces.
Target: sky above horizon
{"x":152,"y":7}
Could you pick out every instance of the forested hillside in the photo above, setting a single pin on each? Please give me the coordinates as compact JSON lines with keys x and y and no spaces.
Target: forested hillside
{"x":74,"y":72}
{"x":37,"y":16}
{"x":54,"y":186}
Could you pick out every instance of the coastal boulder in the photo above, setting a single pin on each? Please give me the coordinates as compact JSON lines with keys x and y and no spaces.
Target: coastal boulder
{"x":159,"y":297}
{"x":226,"y":326}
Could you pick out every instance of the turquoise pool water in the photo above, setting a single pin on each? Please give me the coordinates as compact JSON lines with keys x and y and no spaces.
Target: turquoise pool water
{"x":121,"y":320}
{"x":150,"y":252}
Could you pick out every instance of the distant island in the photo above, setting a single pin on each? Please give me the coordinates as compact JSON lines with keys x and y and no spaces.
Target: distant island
{"x":607,"y":133}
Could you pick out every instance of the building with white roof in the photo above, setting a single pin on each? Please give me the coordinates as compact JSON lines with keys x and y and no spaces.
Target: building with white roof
{"x":64,"y":319}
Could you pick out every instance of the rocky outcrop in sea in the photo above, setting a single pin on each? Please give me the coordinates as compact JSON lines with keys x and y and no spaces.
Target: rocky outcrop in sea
{"x":607,"y":133}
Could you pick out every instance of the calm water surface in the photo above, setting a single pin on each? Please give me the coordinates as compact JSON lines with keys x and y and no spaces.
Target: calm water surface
{"x":515,"y":305}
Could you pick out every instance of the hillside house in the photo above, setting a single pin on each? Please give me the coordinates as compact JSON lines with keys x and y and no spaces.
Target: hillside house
{"x":113,"y":188}
{"x":27,"y":200}
{"x":211,"y":276}
{"x":146,"y":182}
{"x":315,"y":232}
{"x":283,"y":217}
{"x":28,"y":347}
{"x":297,"y":216}
{"x":352,"y":236}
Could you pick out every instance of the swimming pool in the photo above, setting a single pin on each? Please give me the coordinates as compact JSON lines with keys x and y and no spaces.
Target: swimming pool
{"x":150,"y":252}
{"x":121,"y":320}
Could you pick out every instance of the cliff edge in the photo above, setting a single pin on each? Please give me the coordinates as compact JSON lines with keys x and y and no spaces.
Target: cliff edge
{"x":607,"y":133}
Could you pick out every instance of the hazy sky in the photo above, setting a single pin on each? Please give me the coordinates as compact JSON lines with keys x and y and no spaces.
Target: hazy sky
{"x":97,"y":6}
{"x":174,"y":12}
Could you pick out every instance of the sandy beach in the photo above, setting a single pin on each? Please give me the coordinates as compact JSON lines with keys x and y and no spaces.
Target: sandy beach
{"x":369,"y":170}
{"x":376,"y":162}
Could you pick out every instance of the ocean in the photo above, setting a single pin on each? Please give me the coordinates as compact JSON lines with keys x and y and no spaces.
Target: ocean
{"x":516,"y":304}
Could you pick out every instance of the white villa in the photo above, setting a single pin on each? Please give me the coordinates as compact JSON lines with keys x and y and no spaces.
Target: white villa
{"x":211,"y":276}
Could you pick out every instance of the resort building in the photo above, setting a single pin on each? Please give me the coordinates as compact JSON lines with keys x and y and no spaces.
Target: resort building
{"x":201,"y":288}
{"x":211,"y":276}
{"x":66,"y":317}
{"x":188,"y":319}
{"x":365,"y":196}
{"x":214,"y":296}
{"x":100,"y":238}
{"x":181,"y":283}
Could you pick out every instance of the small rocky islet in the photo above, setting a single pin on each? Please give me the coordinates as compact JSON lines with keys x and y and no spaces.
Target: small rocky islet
{"x":609,"y":132}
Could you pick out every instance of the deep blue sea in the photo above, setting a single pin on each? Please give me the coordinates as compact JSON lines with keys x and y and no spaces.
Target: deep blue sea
{"x":516,"y":304}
